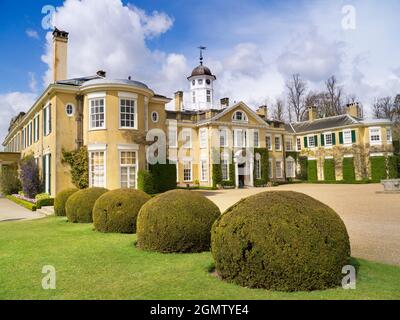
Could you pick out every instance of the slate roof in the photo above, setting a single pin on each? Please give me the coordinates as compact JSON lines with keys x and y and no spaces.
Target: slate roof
{"x":322,"y":124}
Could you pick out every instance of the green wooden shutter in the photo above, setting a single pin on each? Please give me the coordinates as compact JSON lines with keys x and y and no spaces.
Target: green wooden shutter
{"x":341,"y":137}
{"x":322,"y":139}
{"x":44,"y":122}
{"x":353,"y":136}
{"x":333,"y":138}
{"x":305,"y":142}
{"x":316,"y":141}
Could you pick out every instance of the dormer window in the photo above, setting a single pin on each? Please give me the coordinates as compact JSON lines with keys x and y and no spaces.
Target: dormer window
{"x":239,"y":116}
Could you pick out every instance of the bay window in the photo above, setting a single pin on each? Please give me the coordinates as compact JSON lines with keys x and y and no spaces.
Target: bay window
{"x":97,"y":165}
{"x":128,"y":169}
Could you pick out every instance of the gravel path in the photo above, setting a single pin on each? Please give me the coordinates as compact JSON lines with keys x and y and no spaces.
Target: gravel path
{"x":372,"y":219}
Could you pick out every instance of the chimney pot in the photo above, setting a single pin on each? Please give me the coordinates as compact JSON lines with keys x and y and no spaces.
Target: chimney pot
{"x":224,"y":103}
{"x":263,"y":111}
{"x":101,"y":73}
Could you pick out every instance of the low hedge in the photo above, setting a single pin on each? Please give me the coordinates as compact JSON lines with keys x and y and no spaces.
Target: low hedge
{"x":26,"y":204}
{"x":393,"y":167}
{"x":312,"y":173}
{"x":117,"y":210}
{"x":61,"y":200}
{"x":329,"y":170}
{"x":284,"y":241}
{"x":349,"y":174}
{"x":303,"y":161}
{"x":378,"y":168}
{"x":164,"y":177}
{"x":49,"y":202}
{"x":176,"y":221}
{"x":80,"y":205}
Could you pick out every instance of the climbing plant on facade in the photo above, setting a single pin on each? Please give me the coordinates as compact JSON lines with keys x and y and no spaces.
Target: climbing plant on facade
{"x":78,"y":161}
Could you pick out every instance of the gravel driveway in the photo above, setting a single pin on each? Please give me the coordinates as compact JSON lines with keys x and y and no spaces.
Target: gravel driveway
{"x":372,"y":219}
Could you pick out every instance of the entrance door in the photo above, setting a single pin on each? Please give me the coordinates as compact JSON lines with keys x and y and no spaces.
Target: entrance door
{"x":241,"y":174}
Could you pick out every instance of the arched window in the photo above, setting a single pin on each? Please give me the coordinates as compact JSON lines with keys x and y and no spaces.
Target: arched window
{"x":239,"y":116}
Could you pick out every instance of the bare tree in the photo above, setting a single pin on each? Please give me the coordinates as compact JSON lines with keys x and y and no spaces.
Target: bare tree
{"x":296,"y":94}
{"x":384,"y":108}
{"x":334,"y":95}
{"x":279,"y":110}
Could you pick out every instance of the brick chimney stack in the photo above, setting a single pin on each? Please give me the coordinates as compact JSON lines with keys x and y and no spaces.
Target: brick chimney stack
{"x":60,"y":53}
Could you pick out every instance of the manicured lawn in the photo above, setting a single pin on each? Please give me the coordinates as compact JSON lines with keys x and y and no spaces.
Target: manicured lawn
{"x":91,"y":265}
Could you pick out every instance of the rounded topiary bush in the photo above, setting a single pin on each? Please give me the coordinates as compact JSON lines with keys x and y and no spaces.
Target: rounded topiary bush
{"x":79,"y":206}
{"x":61,"y":200}
{"x":117,"y":210}
{"x":284,"y":241}
{"x":176,"y":221}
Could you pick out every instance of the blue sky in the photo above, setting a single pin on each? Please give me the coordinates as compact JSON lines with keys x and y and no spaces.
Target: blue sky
{"x":253,"y":46}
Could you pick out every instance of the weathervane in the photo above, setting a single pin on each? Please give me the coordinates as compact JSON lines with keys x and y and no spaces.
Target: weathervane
{"x":201,"y":53}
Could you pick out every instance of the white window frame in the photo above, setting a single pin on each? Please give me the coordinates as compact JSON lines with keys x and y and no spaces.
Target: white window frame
{"x":188,"y":162}
{"x":280,"y":142}
{"x":379,"y":134}
{"x":30,"y":133}
{"x":269,"y":146}
{"x":326,"y":134}
{"x":173,"y":133}
{"x":154,"y":113}
{"x":129,"y":167}
{"x":243,"y":135}
{"x":47,"y":172}
{"x":104,"y":166}
{"x":270,"y":168}
{"x":135,"y":112}
{"x":289,"y":140}
{"x":36,"y":128}
{"x":225,"y":163}
{"x":298,"y":144}
{"x":280,"y":175}
{"x":204,"y":170}
{"x":104,"y":126}
{"x":203,"y":138}
{"x":347,"y":137}
{"x":292,"y":173}
{"x":256,"y":141}
{"x":244,"y":116}
{"x":73,"y":110}
{"x":389,"y":135}
{"x":223,"y":135}
{"x":309,"y":139}
{"x":187,"y":132}
{"x":47,"y":117}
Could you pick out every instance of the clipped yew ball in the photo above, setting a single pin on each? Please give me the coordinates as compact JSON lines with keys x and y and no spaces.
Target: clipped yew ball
{"x":117,"y":210}
{"x":176,"y":221}
{"x":80,"y":205}
{"x":61,"y":200}
{"x":283,"y":241}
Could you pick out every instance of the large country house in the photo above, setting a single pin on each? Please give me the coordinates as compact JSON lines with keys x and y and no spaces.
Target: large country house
{"x":111,"y":117}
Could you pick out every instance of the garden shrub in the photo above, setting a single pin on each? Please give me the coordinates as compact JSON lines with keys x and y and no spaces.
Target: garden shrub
{"x":176,"y":221}
{"x":378,"y":168}
{"x":284,"y":241}
{"x":349,"y":174}
{"x":329,"y":170}
{"x":80,"y":205}
{"x":263,"y":152}
{"x":26,"y":204}
{"x":216,"y":174}
{"x":30,"y":180}
{"x":61,"y":200}
{"x":393,"y":167}
{"x":9,"y":181}
{"x":312,"y":173}
{"x":303,"y":168}
{"x":79,"y":163}
{"x":117,"y":210}
{"x":164,"y":177}
{"x":146,"y":182}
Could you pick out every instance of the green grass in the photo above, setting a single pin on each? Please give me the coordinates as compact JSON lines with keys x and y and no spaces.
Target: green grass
{"x":91,"y":265}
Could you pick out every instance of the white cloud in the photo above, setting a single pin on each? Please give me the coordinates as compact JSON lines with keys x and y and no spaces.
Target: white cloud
{"x":32,"y":81}
{"x":32,"y":34}
{"x":10,"y":105}
{"x":115,"y":43}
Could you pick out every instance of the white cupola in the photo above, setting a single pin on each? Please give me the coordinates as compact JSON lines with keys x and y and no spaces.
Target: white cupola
{"x":201,"y":86}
